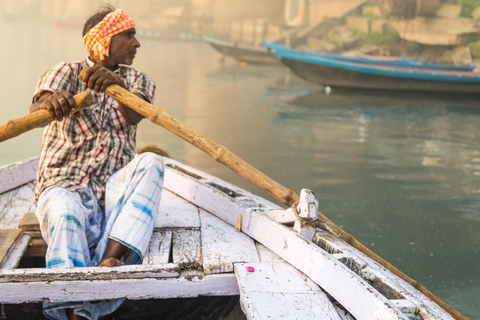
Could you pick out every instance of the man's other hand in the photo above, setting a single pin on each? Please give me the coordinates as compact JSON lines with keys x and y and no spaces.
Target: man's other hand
{"x":98,"y":78}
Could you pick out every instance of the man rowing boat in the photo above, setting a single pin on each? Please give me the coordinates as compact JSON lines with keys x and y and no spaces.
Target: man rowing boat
{"x":96,"y":200}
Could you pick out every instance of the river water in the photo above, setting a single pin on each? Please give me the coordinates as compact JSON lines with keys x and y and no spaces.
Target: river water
{"x":400,"y":172}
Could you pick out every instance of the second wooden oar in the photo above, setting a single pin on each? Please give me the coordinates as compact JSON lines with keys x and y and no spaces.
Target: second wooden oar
{"x":281,"y":193}
{"x":13,"y":128}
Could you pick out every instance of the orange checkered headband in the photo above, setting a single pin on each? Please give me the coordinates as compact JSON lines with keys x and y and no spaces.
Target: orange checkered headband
{"x":99,"y":37}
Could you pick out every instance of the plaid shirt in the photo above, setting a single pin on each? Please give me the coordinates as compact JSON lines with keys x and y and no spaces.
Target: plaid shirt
{"x":91,"y":147}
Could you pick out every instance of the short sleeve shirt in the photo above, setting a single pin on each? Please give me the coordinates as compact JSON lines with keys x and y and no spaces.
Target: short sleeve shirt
{"x":89,"y":148}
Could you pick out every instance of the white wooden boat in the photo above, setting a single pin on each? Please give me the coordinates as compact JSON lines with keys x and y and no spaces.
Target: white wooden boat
{"x":214,"y":239}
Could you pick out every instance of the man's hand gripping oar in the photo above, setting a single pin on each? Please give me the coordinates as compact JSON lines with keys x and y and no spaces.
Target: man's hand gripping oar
{"x":13,"y":128}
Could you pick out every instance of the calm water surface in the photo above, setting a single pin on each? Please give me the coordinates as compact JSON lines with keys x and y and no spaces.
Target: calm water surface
{"x":399,"y":172}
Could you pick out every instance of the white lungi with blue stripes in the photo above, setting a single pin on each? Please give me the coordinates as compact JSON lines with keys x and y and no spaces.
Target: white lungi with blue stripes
{"x":76,"y":229}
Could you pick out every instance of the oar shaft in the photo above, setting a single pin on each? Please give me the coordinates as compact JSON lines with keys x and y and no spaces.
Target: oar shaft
{"x":218,"y":152}
{"x":13,"y":128}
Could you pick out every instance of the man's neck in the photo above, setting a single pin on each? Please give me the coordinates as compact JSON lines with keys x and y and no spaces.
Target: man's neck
{"x":105,"y":63}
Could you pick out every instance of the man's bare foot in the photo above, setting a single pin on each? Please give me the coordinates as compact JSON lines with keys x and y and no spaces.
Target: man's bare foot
{"x":110,"y":262}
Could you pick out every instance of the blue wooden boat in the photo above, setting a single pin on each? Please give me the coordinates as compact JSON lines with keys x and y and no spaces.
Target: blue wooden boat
{"x":337,"y":73}
{"x":367,"y":59}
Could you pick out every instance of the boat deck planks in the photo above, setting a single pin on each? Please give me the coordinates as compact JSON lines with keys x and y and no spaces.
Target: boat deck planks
{"x":222,"y":246}
{"x":158,"y":251}
{"x":186,"y":251}
{"x":276,"y":290}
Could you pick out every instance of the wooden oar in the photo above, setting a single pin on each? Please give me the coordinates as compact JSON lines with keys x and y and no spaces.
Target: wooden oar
{"x":13,"y":128}
{"x":228,"y":158}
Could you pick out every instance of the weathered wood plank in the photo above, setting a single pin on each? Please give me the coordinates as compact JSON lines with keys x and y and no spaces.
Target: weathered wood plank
{"x":187,"y":249}
{"x":277,"y":290}
{"x":167,"y":270}
{"x":17,"y":174}
{"x":176,"y":212}
{"x":295,"y":305}
{"x":142,"y":288}
{"x":222,"y":245}
{"x":14,"y":204}
{"x":158,"y":251}
{"x":29,"y":222}
{"x":13,"y":258}
{"x":7,"y":239}
{"x":274,"y":276}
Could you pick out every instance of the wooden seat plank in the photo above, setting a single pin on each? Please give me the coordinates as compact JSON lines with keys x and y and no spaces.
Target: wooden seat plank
{"x":150,"y":284}
{"x":276,"y":290}
{"x":222,"y":245}
{"x":29,"y":222}
{"x":7,"y":239}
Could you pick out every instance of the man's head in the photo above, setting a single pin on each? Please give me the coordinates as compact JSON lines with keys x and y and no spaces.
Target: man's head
{"x":97,"y":17}
{"x":109,"y":36}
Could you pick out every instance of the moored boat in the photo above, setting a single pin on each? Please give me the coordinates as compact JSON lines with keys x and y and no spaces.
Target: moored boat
{"x":369,"y":59}
{"x":215,"y":239}
{"x":243,"y":52}
{"x":336,"y":73}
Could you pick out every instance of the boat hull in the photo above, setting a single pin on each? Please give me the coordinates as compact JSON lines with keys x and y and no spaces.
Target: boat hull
{"x":326,"y":75}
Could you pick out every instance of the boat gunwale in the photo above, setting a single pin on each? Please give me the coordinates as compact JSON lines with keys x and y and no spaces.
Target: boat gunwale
{"x":16,"y":174}
{"x":398,"y":61}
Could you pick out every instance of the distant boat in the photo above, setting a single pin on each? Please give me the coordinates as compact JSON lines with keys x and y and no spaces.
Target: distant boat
{"x":337,"y":73}
{"x":243,"y":52}
{"x":368,"y":59}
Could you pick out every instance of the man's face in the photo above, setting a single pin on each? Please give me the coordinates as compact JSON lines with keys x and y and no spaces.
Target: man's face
{"x":123,"y":47}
